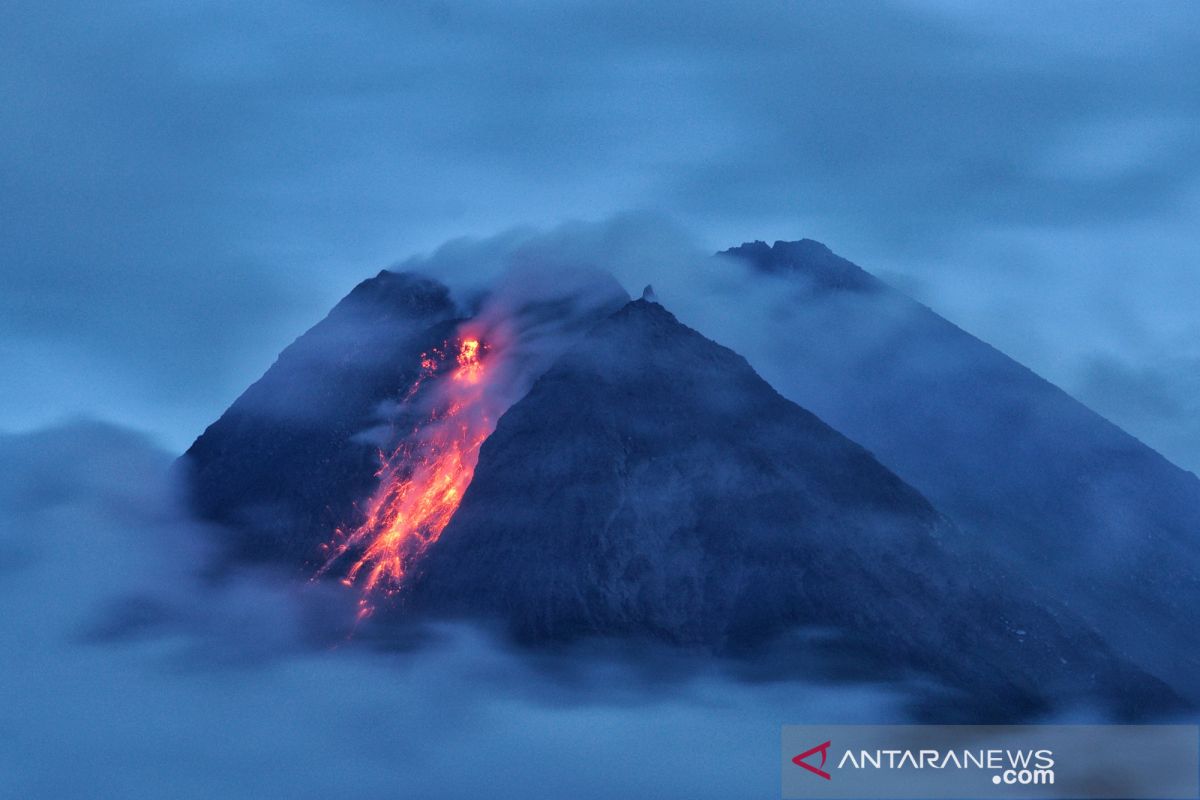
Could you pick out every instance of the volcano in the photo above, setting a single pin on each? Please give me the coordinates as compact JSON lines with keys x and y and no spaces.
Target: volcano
{"x":642,"y":484}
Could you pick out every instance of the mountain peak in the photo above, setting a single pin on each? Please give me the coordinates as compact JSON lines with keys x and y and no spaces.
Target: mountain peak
{"x":810,"y":258}
{"x":647,"y":306}
{"x":409,"y":294}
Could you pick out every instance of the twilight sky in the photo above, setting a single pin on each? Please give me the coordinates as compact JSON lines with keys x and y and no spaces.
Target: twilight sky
{"x":186,"y":187}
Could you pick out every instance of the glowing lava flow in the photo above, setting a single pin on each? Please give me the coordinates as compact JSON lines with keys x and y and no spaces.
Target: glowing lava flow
{"x":422,"y":481}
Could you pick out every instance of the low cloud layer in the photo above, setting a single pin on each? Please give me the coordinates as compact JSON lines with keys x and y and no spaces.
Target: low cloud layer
{"x":132,"y":675}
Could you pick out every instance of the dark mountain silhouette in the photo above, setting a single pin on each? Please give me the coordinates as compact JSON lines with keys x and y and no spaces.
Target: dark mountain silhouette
{"x":1061,"y":499}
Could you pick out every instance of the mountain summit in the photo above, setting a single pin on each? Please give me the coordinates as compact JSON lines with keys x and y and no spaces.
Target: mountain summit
{"x":811,"y":259}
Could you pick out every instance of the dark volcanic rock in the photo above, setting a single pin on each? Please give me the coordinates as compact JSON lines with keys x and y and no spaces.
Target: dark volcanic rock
{"x":284,"y":465}
{"x":1058,"y":497}
{"x":651,"y":484}
{"x":296,"y":455}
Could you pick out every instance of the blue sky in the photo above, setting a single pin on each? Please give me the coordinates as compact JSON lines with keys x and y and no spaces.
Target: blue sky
{"x":186,"y":187}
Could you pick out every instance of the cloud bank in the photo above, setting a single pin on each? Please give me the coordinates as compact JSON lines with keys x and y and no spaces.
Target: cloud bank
{"x":132,"y":675}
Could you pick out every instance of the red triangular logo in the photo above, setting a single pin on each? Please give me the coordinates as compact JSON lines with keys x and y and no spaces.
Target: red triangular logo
{"x":823,"y":749}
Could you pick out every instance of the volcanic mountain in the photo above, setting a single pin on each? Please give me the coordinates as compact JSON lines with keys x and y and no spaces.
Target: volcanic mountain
{"x":1055,"y":496}
{"x":642,"y":483}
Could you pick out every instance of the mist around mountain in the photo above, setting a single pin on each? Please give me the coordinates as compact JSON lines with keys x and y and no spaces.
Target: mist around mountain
{"x":131,"y":673}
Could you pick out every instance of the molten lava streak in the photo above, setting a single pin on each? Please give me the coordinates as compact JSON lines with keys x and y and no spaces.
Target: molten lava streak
{"x":421,"y":482}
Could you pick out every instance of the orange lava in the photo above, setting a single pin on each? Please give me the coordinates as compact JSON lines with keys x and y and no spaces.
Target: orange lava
{"x":422,"y":481}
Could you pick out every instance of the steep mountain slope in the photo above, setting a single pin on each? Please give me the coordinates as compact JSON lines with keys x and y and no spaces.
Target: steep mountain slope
{"x":296,"y":457}
{"x":285,"y":463}
{"x":1060,"y":497}
{"x":652,"y":485}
